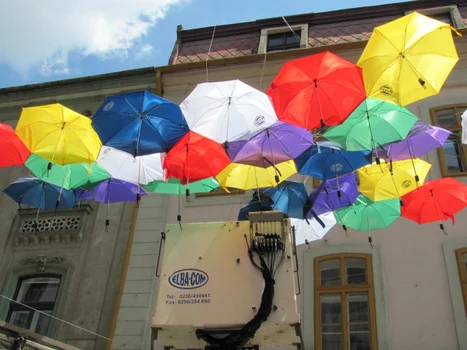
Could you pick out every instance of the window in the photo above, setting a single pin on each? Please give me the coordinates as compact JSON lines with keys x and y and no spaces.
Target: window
{"x":345,"y":315}
{"x":446,"y":14}
{"x":461,"y":257}
{"x":220,"y":191}
{"x":452,"y":155}
{"x":283,"y":38}
{"x":443,"y":17}
{"x":39,"y":292}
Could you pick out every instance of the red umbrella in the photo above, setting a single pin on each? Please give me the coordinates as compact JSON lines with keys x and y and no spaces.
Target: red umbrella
{"x":194,"y":158}
{"x":435,"y":201}
{"x":317,"y":91}
{"x":14,"y":151}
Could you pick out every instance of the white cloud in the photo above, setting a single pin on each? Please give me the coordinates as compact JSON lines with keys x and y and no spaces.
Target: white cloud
{"x":40,"y":34}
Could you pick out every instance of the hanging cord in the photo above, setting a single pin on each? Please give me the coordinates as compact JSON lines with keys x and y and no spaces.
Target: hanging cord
{"x":209,"y":51}
{"x":441,"y":225}
{"x":138,"y":193}
{"x":276,"y":176}
{"x":262,"y":72}
{"x":107,"y":221}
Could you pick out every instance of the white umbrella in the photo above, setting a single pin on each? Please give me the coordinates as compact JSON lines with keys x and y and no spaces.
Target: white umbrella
{"x":124,"y":166}
{"x":228,"y":111}
{"x":312,"y":230}
{"x":464,"y":127}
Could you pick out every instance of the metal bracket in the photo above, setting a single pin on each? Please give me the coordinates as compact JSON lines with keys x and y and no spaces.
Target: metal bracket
{"x":159,"y":254}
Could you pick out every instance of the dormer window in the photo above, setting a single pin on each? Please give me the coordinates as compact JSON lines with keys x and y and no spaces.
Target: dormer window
{"x":283,"y":38}
{"x":446,"y":14}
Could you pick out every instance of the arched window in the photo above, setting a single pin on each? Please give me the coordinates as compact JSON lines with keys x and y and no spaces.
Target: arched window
{"x":39,"y":292}
{"x":344,"y":302}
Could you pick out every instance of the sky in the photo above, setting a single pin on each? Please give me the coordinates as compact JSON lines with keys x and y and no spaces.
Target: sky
{"x":51,"y":40}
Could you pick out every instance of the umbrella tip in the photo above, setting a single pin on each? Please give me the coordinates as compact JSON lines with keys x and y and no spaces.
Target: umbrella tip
{"x":107,"y":224}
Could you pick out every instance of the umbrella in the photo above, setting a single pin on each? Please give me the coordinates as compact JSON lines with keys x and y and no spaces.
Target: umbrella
{"x":69,"y":176}
{"x":421,"y":139}
{"x":331,"y":195}
{"x":408,"y":59}
{"x":435,"y":201}
{"x":40,"y":194}
{"x":289,"y":197}
{"x":139,"y":123}
{"x":326,"y":160}
{"x":247,"y":177}
{"x":124,"y":166}
{"x":276,"y":144}
{"x":311,"y":230}
{"x":14,"y":151}
{"x":228,"y":111}
{"x":372,"y":124}
{"x":174,"y":186}
{"x":195,"y":158}
{"x":317,"y":90}
{"x":392,"y":180}
{"x":367,"y":215}
{"x":58,"y":134}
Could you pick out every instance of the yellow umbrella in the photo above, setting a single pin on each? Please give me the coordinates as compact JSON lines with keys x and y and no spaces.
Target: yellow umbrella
{"x":58,"y":134}
{"x":378,"y":182}
{"x":408,"y":59}
{"x":247,"y":177}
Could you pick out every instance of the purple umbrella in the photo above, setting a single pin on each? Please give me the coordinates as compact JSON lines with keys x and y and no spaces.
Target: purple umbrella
{"x":331,"y":195}
{"x":422,"y":138}
{"x":278,"y":143}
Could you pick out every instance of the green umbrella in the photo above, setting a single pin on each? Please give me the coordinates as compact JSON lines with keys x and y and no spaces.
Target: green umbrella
{"x":367,"y":215}
{"x":174,"y":186}
{"x":71,"y":176}
{"x":372,"y":124}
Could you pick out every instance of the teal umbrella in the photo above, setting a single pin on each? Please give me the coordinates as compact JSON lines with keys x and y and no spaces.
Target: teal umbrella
{"x":174,"y":186}
{"x":372,"y":124}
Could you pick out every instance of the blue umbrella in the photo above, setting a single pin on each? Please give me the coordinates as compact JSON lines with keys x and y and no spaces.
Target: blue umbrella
{"x":326,"y":160}
{"x":290,"y":197}
{"x":40,"y":194}
{"x":139,"y":123}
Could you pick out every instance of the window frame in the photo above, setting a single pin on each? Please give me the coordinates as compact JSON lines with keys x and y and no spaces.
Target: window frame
{"x":263,"y":41}
{"x":343,"y":289}
{"x":458,"y":128}
{"x":462,"y":273}
{"x":453,"y":10}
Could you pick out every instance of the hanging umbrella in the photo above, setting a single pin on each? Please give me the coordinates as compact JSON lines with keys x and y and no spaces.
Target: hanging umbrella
{"x":435,"y":201}
{"x":124,"y":166}
{"x":372,"y":124}
{"x":311,"y":230}
{"x":247,"y":177}
{"x":276,"y":144}
{"x":289,"y":197}
{"x":14,"y":151}
{"x":421,"y":139}
{"x":331,"y":195}
{"x":392,"y":180}
{"x":70,"y":176}
{"x":174,"y":186}
{"x":325,"y":160}
{"x":228,"y":111}
{"x":58,"y":134}
{"x":316,"y":91}
{"x":366,"y":215}
{"x":139,"y":123}
{"x":408,"y":59}
{"x":40,"y":194}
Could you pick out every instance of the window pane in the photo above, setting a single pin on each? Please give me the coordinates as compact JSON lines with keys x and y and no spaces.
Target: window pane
{"x":38,"y":289}
{"x":359,"y":337}
{"x":331,"y":337}
{"x":292,"y":38}
{"x":275,"y":39}
{"x":40,"y":322}
{"x":20,"y":318}
{"x":356,"y":271}
{"x":331,"y":308}
{"x":446,"y":117}
{"x":465,"y":260}
{"x":330,"y":272}
{"x":454,"y":153}
{"x":358,"y":307}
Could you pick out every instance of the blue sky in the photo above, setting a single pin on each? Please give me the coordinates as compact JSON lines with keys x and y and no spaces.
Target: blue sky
{"x":60,"y":39}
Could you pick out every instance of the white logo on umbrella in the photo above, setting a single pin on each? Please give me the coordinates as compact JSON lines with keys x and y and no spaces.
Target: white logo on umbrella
{"x":337,"y":167}
{"x":109,"y":106}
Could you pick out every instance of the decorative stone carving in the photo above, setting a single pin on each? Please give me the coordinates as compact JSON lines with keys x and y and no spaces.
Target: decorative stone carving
{"x":62,"y":223}
{"x":42,"y":261}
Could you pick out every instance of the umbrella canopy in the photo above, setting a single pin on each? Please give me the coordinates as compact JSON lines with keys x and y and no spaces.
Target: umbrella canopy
{"x":276,"y":144}
{"x":384,"y":181}
{"x":421,"y":139}
{"x":326,"y":160}
{"x":317,"y":90}
{"x":174,"y":186}
{"x":58,"y":134}
{"x":247,"y":177}
{"x":289,"y":197}
{"x":408,"y":59}
{"x":434,"y":201}
{"x":195,"y":158}
{"x":14,"y":151}
{"x":124,"y":166}
{"x":311,"y":230}
{"x":139,"y":123}
{"x":69,"y":176}
{"x":40,"y":194}
{"x":331,"y":195}
{"x":367,"y":215}
{"x":112,"y":191}
{"x":372,"y":124}
{"x":228,"y":111}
